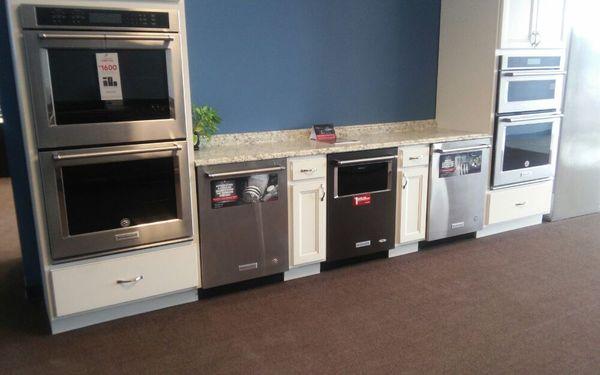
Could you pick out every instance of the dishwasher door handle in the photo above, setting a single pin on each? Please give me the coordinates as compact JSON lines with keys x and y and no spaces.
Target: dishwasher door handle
{"x":245,"y":171}
{"x":470,"y":148}
{"x":365,"y":160}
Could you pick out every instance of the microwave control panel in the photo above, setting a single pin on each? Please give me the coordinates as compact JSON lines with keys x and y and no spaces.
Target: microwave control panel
{"x":81,"y":17}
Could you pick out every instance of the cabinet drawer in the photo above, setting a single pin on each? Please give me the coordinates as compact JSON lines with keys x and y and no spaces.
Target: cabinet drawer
{"x":94,"y":285}
{"x":413,"y":156}
{"x":519,"y":202}
{"x":306,"y":168}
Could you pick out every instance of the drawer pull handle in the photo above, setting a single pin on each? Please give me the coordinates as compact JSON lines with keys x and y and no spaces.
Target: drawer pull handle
{"x":323,"y":192}
{"x":415,"y":157}
{"x":131,"y":281}
{"x":311,"y":170}
{"x":520,"y":204}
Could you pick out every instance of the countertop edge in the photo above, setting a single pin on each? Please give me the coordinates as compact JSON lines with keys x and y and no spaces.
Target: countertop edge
{"x":335,"y":149}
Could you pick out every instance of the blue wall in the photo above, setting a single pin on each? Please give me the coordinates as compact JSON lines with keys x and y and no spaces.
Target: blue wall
{"x":283,"y":64}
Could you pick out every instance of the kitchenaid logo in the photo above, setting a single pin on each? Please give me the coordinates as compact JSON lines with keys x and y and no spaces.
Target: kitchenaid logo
{"x":361,"y":200}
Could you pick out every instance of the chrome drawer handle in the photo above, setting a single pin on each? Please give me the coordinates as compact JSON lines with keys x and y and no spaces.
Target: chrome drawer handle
{"x":131,"y":281}
{"x":311,"y":170}
{"x":520,"y":204}
{"x":323,"y":190}
{"x":415,"y":157}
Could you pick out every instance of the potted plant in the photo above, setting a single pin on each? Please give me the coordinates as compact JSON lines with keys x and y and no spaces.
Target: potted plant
{"x":206,"y":121}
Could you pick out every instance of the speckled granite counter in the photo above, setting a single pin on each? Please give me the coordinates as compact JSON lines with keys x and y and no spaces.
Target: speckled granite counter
{"x":231,"y":148}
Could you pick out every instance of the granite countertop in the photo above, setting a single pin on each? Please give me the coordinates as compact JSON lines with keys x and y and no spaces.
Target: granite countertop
{"x":271,"y":145}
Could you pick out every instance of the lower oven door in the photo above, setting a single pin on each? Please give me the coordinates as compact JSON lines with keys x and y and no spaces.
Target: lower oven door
{"x":361,"y":206}
{"x":110,"y":199}
{"x":525,"y":148}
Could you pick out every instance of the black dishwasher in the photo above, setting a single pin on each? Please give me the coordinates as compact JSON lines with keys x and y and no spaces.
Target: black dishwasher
{"x":361,"y":203}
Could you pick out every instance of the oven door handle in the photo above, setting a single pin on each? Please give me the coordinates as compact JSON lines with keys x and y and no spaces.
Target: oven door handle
{"x":60,"y":156}
{"x":535,"y":73}
{"x":530,"y":117}
{"x":365,"y":160}
{"x":164,"y":38}
{"x":471,"y":148}
{"x":245,"y":171}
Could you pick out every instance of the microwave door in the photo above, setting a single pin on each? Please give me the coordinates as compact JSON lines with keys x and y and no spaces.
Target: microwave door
{"x":104,"y":88}
{"x":524,"y":91}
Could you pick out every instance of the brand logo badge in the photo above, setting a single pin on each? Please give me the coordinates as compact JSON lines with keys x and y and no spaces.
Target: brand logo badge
{"x":526,"y":163}
{"x":361,"y":200}
{"x":125,"y":222}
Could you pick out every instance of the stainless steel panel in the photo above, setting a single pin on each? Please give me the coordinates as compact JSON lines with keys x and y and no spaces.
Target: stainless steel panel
{"x":49,"y":135}
{"x":577,"y":181}
{"x":456,"y":204}
{"x":66,"y":246}
{"x":29,"y":20}
{"x":500,"y":177}
{"x":246,"y":241}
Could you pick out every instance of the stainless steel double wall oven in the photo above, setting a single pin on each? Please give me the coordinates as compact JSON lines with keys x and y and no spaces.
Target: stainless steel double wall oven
{"x":107,"y":96}
{"x":530,"y":93}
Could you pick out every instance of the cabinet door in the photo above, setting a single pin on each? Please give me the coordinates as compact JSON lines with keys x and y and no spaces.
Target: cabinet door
{"x":413,"y":183}
{"x":308,"y":222}
{"x":550,"y":24}
{"x":518,"y":23}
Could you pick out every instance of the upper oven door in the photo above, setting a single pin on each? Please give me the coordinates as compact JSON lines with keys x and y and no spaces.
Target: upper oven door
{"x":94,"y":88}
{"x":525,"y":148}
{"x":107,"y":199}
{"x":361,"y":176}
{"x":535,"y":90}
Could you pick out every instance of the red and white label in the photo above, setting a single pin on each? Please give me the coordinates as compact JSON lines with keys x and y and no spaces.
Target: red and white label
{"x":109,"y":78}
{"x":361,"y":200}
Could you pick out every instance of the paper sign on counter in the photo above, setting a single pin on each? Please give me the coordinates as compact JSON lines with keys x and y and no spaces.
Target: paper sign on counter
{"x":109,"y":78}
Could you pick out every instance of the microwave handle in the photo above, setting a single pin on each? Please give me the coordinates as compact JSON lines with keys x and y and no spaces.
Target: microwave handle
{"x":529,"y":73}
{"x":165,"y":38}
{"x":61,"y":156}
{"x":530,"y":117}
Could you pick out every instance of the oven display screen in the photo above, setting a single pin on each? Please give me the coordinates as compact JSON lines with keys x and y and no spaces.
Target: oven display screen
{"x":460,"y":164}
{"x":106,"y":18}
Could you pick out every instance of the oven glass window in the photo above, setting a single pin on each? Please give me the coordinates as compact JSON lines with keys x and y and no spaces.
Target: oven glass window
{"x":527,"y":146}
{"x":522,"y":91}
{"x":76,"y":90}
{"x":362,"y":178}
{"x":119,"y":194}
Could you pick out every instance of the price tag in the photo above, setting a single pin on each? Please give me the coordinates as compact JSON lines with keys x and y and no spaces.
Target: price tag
{"x":109,"y":78}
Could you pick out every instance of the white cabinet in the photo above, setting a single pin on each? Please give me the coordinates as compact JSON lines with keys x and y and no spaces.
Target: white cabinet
{"x":307,"y":211}
{"x":533,"y":24}
{"x":519,"y":202}
{"x":411,"y":200}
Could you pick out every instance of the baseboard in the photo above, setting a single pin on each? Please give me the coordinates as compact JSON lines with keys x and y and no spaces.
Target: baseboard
{"x":72,"y":322}
{"x":303,"y":271}
{"x":403,"y":249}
{"x":509,"y":225}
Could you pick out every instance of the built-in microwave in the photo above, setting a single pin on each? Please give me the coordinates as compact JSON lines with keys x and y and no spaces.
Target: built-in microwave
{"x":95,"y":82}
{"x":525,"y":148}
{"x":531,"y":83}
{"x":110,"y":199}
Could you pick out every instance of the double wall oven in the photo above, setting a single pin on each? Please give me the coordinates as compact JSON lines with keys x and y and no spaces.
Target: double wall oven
{"x":107,"y":97}
{"x":530,"y":93}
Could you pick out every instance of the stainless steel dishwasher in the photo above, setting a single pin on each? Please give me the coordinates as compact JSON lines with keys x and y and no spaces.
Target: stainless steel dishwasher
{"x":243,"y":221}
{"x":457,"y":187}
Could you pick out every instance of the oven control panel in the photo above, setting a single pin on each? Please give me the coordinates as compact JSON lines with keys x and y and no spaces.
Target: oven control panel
{"x":84,"y":17}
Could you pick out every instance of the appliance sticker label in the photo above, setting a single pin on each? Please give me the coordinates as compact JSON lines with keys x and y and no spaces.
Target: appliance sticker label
{"x":253,"y":189}
{"x":109,"y":78}
{"x":361,"y":200}
{"x":460,"y":164}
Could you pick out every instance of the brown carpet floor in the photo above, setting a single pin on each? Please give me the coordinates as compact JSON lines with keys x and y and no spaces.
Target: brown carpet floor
{"x":522,"y":302}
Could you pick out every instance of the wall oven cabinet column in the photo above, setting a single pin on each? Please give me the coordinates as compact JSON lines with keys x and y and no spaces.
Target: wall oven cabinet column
{"x":307,"y":210}
{"x":411,"y":202}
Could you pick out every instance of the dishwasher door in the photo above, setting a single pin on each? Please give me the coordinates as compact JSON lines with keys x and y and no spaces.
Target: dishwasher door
{"x":243,"y":221}
{"x":457,"y":188}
